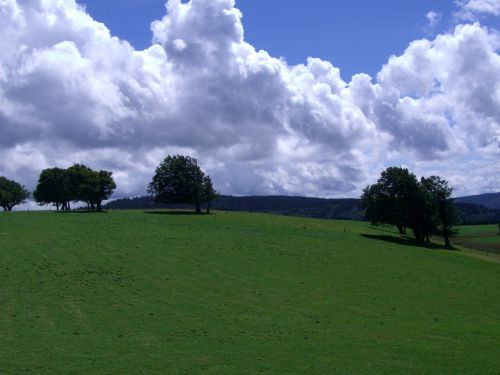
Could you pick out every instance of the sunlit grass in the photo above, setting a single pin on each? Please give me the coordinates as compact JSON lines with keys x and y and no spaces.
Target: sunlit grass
{"x":234,"y":293}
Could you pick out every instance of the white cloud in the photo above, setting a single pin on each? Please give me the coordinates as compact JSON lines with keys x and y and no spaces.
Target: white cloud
{"x":470,"y":10}
{"x":433,"y":19}
{"x":71,"y":92}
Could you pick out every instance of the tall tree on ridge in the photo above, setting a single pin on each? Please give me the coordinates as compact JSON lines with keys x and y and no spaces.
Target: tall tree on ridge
{"x":179,"y":179}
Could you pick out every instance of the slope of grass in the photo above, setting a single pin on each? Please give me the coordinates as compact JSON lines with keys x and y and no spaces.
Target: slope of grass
{"x":232,"y":293}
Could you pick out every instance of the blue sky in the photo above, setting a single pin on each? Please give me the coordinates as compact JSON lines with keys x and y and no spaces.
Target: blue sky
{"x":355,"y":35}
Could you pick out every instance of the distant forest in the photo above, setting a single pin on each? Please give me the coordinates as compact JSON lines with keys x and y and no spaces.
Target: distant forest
{"x":470,"y":210}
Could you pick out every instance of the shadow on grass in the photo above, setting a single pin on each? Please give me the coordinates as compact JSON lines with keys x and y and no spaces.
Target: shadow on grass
{"x":406,"y":241}
{"x":79,"y":212}
{"x":176,"y":213}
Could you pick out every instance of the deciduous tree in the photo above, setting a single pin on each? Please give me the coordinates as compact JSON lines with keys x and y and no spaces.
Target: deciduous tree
{"x":179,"y":179}
{"x":11,"y":193}
{"x":53,"y":188}
{"x":440,"y":199}
{"x":399,"y":199}
{"x":390,"y":200}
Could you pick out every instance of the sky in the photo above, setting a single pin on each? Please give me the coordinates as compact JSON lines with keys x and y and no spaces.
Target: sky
{"x":356,"y":35}
{"x":308,"y":98}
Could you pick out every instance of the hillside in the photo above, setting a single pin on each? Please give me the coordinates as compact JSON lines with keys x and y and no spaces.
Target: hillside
{"x":339,"y":209}
{"x":488,"y":200}
{"x":130,"y":292}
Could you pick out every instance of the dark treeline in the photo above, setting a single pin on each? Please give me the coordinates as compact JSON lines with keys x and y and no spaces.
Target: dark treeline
{"x":339,"y":209}
{"x":488,"y":200}
{"x":342,"y":209}
{"x":475,"y":214}
{"x":60,"y":187}
{"x":320,"y":208}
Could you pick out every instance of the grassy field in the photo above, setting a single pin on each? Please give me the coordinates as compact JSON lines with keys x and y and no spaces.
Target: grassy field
{"x":234,"y":293}
{"x":480,"y":237}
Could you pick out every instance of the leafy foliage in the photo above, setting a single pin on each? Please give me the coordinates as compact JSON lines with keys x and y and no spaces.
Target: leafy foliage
{"x":399,"y":199}
{"x":11,"y":193}
{"x":78,"y":183}
{"x":392,"y":199}
{"x":53,"y":187}
{"x":179,"y":179}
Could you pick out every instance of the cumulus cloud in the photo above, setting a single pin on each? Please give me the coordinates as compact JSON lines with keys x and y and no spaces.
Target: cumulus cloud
{"x":473,"y":9}
{"x":72,"y":92}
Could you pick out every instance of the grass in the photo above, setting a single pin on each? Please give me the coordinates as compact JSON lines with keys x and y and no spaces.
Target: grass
{"x":234,"y":293}
{"x":479,"y":237}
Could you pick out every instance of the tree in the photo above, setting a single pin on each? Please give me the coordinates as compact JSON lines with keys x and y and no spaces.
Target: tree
{"x":11,"y":193}
{"x":440,"y":198}
{"x":101,"y":185}
{"x":77,"y":183}
{"x":208,"y":192}
{"x":53,"y":188}
{"x":90,"y":186}
{"x":399,"y":199}
{"x":179,"y":179}
{"x":392,"y":199}
{"x":79,"y":178}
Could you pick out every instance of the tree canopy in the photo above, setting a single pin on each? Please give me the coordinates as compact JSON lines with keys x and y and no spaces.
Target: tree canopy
{"x":424,"y":206}
{"x":11,"y":193}
{"x":53,"y":188}
{"x":179,"y":179}
{"x":77,"y":183}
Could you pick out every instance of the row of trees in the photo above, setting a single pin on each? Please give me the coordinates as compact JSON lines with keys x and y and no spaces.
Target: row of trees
{"x":59,"y":187}
{"x":11,"y":194}
{"x":426,"y":206}
{"x":178,"y":179}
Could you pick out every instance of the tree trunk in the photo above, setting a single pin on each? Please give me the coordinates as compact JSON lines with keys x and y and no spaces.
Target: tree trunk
{"x":447,"y":241}
{"x":208,"y":207}
{"x":446,"y":235}
{"x":57,"y":206}
{"x":446,"y":229}
{"x":9,"y":208}
{"x":198,"y":209}
{"x":99,"y":206}
{"x":418,"y":235}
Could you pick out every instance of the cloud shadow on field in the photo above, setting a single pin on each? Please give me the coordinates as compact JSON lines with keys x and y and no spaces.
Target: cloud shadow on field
{"x":406,"y":241}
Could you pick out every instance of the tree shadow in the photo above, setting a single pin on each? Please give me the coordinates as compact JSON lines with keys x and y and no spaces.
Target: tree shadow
{"x":79,"y":212}
{"x":407,"y":241}
{"x":176,"y":213}
{"x":384,"y":228}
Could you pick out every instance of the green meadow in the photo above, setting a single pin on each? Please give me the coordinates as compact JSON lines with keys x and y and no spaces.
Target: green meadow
{"x":484,"y":238}
{"x":232,"y":293}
